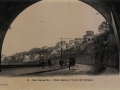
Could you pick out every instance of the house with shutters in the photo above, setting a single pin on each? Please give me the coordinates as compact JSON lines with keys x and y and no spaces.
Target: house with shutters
{"x":89,"y":37}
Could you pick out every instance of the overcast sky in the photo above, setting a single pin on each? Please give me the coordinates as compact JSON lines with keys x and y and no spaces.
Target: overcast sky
{"x":43,"y":23}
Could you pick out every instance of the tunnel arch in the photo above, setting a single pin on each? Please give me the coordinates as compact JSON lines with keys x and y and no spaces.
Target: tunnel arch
{"x":82,"y":4}
{"x":102,"y":7}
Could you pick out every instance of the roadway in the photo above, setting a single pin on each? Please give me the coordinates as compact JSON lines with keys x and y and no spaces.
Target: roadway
{"x":78,"y":69}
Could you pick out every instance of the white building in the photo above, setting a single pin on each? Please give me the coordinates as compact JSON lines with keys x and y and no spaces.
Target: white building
{"x":89,"y":37}
{"x":27,"y":58}
{"x":71,"y":44}
{"x":104,"y":26}
{"x":64,"y":45}
{"x":44,"y":47}
{"x":36,"y":57}
{"x":78,"y":40}
{"x":2,"y":57}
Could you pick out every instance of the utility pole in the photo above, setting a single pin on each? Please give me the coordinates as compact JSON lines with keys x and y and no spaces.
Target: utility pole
{"x":61,"y":47}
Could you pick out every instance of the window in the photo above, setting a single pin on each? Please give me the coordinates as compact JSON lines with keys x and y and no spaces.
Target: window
{"x":88,"y":39}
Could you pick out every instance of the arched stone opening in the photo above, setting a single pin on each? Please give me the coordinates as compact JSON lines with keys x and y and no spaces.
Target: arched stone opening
{"x":16,"y":7}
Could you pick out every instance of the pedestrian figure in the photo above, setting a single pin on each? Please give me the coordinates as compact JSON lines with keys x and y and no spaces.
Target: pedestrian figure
{"x":61,"y":63}
{"x":49,"y":62}
{"x":42,"y":63}
{"x":73,"y":61}
{"x":70,"y":62}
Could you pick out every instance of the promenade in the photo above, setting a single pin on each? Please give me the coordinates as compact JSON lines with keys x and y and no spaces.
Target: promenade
{"x":78,"y":69}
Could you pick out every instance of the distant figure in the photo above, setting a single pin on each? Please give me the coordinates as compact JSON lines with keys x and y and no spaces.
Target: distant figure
{"x":42,"y":64}
{"x":49,"y":62}
{"x":71,"y":62}
{"x":61,"y":63}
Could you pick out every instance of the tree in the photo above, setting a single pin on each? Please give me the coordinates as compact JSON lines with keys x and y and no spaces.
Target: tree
{"x":34,"y":51}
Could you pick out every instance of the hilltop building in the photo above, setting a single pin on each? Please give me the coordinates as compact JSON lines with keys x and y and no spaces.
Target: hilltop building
{"x":89,"y":37}
{"x":104,"y":27}
{"x":44,"y":47}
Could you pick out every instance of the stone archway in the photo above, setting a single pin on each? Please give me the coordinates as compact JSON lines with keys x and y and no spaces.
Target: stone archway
{"x":9,"y":10}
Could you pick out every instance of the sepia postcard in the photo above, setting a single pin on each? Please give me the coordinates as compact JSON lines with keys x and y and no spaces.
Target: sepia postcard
{"x":59,"y":44}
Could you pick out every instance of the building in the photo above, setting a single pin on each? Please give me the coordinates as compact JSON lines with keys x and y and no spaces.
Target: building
{"x":104,"y":26}
{"x":27,"y":58}
{"x":36,"y":57}
{"x":44,"y":47}
{"x":71,"y":44}
{"x":54,"y":52}
{"x":2,"y":57}
{"x":58,"y":45}
{"x":50,"y":48}
{"x":89,"y":33}
{"x":89,"y":37}
{"x":78,"y":40}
